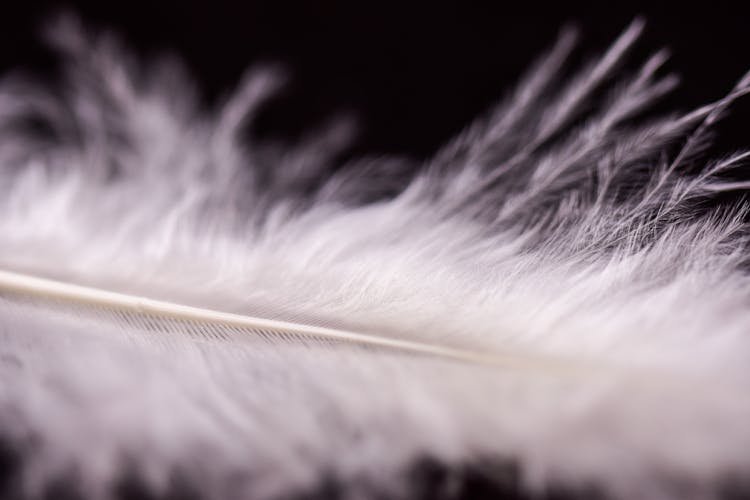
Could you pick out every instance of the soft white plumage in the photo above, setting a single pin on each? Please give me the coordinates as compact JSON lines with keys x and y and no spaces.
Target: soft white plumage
{"x":563,"y":239}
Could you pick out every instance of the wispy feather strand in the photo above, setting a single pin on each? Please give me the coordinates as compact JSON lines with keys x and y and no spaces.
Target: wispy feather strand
{"x":561,"y":235}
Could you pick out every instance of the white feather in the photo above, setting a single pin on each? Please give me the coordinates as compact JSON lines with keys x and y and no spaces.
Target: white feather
{"x":549,"y":290}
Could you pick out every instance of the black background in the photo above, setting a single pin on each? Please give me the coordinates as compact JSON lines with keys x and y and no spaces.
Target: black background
{"x":414,"y":73}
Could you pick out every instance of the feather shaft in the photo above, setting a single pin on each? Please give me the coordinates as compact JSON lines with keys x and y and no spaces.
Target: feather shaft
{"x":24,"y":284}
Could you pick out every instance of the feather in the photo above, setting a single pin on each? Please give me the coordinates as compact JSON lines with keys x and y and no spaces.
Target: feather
{"x":558,"y":288}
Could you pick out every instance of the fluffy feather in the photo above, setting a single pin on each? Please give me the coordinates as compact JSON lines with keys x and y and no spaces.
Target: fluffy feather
{"x":559,"y":233}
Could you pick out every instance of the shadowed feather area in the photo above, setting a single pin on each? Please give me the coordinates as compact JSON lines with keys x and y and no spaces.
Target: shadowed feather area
{"x":560,"y":294}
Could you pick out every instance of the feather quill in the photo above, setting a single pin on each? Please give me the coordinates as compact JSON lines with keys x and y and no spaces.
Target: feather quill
{"x":552,"y":290}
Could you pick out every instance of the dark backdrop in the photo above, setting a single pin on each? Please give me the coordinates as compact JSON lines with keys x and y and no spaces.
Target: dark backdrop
{"x":414,"y":72}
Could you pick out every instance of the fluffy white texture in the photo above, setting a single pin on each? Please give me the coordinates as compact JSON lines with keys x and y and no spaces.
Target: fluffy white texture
{"x":556,"y":228}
